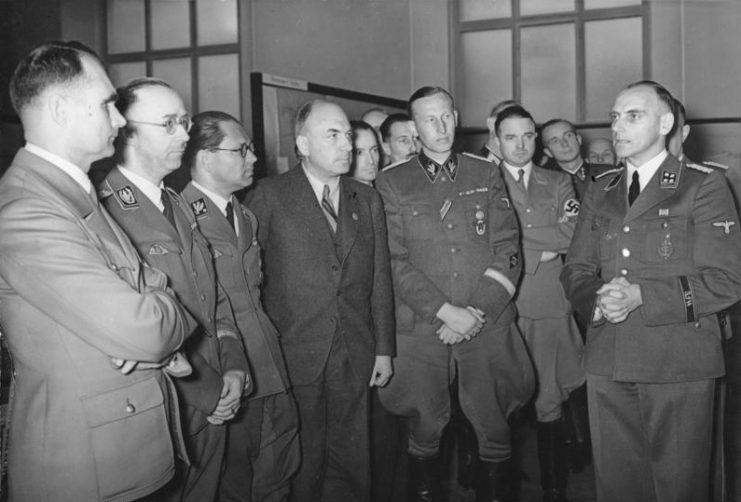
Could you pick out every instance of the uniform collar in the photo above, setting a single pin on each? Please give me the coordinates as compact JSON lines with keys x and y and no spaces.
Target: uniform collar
{"x":647,"y":170}
{"x":66,"y":166}
{"x":432,"y":169}
{"x":149,"y":189}
{"x":219,"y":201}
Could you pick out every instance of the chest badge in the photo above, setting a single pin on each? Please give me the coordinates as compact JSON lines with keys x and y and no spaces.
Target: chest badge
{"x":480,"y":223}
{"x":666,"y":248}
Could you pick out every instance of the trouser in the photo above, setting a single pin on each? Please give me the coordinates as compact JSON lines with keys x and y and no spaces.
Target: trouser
{"x":333,"y":430}
{"x":651,"y":442}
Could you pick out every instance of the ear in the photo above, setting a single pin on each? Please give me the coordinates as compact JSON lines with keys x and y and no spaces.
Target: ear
{"x":547,"y":151}
{"x":386,"y":149}
{"x":413,"y":126}
{"x":666,"y":123}
{"x":203,"y":160}
{"x":685,"y":132}
{"x":578,"y":139}
{"x":455,"y":114}
{"x":58,"y":107}
{"x":498,"y":143}
{"x":302,"y":143}
{"x":490,"y":122}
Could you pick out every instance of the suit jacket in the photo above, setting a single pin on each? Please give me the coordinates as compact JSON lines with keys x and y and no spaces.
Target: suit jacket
{"x":73,"y":293}
{"x":183,"y":254}
{"x":547,"y":213}
{"x":680,"y":242}
{"x":239,"y":269}
{"x":313,"y":290}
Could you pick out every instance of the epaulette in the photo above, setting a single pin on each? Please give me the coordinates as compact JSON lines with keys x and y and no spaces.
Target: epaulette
{"x":699,"y":167}
{"x":715,"y":164}
{"x":474,"y":156}
{"x":397,"y":163}
{"x":605,"y":173}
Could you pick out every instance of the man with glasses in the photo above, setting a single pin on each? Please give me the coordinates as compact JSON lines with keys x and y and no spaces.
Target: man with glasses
{"x":165,"y":232}
{"x":262,"y":448}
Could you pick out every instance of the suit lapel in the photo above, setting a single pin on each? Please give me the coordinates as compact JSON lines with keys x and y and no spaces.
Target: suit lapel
{"x":303,"y":203}
{"x":347,"y":224}
{"x":661,"y":186}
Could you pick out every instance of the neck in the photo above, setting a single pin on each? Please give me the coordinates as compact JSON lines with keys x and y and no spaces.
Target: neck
{"x":147,"y":174}
{"x":571,"y":165}
{"x":492,"y":146}
{"x":436,"y":156}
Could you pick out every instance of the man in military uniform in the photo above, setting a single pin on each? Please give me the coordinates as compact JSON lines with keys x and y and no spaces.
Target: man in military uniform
{"x":562,"y":143}
{"x":655,"y":255}
{"x":455,"y":259}
{"x":164,"y":231}
{"x":262,"y":446}
{"x":546,"y":207}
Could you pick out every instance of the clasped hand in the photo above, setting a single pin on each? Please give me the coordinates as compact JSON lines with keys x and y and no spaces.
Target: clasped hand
{"x":617,"y":299}
{"x":459,"y":323}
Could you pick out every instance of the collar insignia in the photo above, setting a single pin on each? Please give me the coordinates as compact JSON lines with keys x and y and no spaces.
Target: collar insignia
{"x":199,"y":208}
{"x":668,"y":179}
{"x":127,"y":198}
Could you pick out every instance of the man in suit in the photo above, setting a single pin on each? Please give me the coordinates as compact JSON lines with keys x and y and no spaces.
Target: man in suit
{"x":88,"y":325}
{"x":562,"y":143}
{"x":262,"y":452}
{"x":546,"y":208}
{"x":328,"y":291}
{"x":655,"y":255}
{"x":455,"y":259}
{"x":165,"y":232}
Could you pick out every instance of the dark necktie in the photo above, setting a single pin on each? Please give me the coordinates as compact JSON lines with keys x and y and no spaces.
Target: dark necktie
{"x":329,"y":208}
{"x":230,"y":214}
{"x":521,"y":178}
{"x":634,"y":189}
{"x":167,"y":204}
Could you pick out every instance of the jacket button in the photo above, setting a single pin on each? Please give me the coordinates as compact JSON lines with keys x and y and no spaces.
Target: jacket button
{"x":626,"y":252}
{"x":450,"y":225}
{"x":626,"y":229}
{"x":623,"y":272}
{"x":130,"y":408}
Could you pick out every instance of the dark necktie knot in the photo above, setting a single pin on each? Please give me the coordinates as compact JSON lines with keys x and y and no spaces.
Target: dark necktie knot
{"x":230,"y":214}
{"x":167,"y":207}
{"x":329,"y":209}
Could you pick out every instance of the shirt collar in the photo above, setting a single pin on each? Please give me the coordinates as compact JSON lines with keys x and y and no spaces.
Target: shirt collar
{"x":68,"y":167}
{"x":149,"y":189}
{"x":432,"y":168}
{"x":647,"y":170}
{"x":575,"y":170}
{"x":217,"y":199}
{"x":318,"y":186}
{"x":515,"y":174}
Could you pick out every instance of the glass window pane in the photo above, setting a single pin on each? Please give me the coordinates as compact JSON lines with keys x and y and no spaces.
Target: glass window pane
{"x":549,"y":71}
{"x":126,"y":26}
{"x":470,"y":10}
{"x":170,"y":24}
{"x":487,"y":73}
{"x":530,"y":7}
{"x":177,"y":73}
{"x":606,"y":4}
{"x":121,"y":73}
{"x":218,"y":83}
{"x":217,"y":21}
{"x":609,"y":70}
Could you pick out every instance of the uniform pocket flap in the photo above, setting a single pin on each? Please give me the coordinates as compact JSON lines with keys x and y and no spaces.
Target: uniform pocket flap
{"x":122,"y":403}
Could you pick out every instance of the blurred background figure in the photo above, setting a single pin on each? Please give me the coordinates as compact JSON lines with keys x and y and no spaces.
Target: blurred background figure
{"x":599,"y":151}
{"x":398,"y":138}
{"x":374,"y":117}
{"x":366,"y":157}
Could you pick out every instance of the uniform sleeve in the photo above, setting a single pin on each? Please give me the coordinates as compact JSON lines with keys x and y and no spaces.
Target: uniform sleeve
{"x":382,"y":297}
{"x":412,"y":286}
{"x":232,"y":352}
{"x":581,"y":273}
{"x":558,"y":236}
{"x":49,"y":260}
{"x":716,"y":249}
{"x":496,"y":285}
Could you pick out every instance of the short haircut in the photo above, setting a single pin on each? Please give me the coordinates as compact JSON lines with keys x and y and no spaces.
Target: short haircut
{"x":497,"y":109}
{"x":302,"y":115}
{"x":374,"y":109}
{"x":392,"y":119}
{"x":205,"y":134}
{"x":558,"y":121}
{"x":679,"y":110}
{"x":664,"y":97}
{"x":362,"y":125}
{"x":48,"y":64}
{"x":127,"y":93}
{"x":515,"y":111}
{"x":426,"y":92}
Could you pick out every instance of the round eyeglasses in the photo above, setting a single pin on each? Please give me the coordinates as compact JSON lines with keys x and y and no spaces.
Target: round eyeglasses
{"x":170,"y":124}
{"x":243,"y":149}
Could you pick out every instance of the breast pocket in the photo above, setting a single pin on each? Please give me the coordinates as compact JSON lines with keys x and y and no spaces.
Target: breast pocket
{"x":604,"y":229}
{"x":420,"y":221}
{"x":665,"y":239}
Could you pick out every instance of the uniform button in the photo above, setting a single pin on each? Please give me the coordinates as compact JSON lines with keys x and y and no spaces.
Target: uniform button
{"x":456,"y":275}
{"x":528,"y":210}
{"x":203,"y":298}
{"x":626,"y":229}
{"x":415,"y":212}
{"x":529,"y":225}
{"x":450,"y":225}
{"x":195,"y":274}
{"x":623,"y":272}
{"x":626,"y":252}
{"x":114,"y":267}
{"x":453,"y":250}
{"x":130,"y":408}
{"x":697,"y":324}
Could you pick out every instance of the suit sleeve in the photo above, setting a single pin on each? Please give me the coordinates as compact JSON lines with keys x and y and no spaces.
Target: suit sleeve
{"x":496,"y":285}
{"x":48,"y":259}
{"x":716,"y":249}
{"x":412,"y":286}
{"x":580,"y":276}
{"x":382,"y":297}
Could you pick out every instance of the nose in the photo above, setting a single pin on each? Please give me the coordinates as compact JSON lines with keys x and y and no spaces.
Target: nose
{"x":117,"y":120}
{"x":521,"y":142}
{"x":616,"y":125}
{"x":181,"y":133}
{"x":251,"y":158}
{"x":442,"y":127}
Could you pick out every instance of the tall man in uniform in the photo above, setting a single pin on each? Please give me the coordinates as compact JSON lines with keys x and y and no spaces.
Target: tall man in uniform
{"x":165,"y":232}
{"x":455,"y":258}
{"x":655,"y":255}
{"x":562,"y":143}
{"x":76,"y":301}
{"x":546,"y":207}
{"x":328,"y":291}
{"x":262,"y":451}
